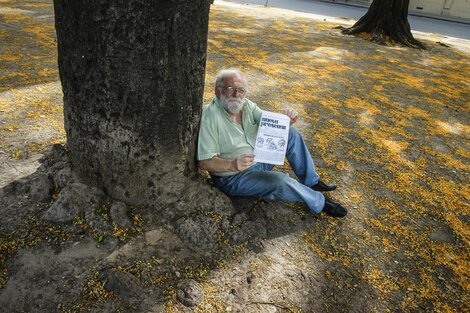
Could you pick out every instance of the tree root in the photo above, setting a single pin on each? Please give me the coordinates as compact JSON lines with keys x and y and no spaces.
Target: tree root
{"x":273,"y":304}
{"x":386,"y":23}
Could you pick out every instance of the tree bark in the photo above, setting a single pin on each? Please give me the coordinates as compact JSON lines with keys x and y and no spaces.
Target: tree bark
{"x":132,"y":73}
{"x":386,"y":21}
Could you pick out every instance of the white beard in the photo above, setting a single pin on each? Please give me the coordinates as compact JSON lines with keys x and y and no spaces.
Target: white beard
{"x":231,"y":104}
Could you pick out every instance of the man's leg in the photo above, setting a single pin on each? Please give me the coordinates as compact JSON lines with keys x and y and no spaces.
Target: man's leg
{"x":300,"y":159}
{"x":259,"y":180}
{"x":302,"y":163}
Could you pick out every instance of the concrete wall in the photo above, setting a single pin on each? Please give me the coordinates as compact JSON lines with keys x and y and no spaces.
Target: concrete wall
{"x":459,"y":8}
{"x":434,"y":7}
{"x":448,"y":8}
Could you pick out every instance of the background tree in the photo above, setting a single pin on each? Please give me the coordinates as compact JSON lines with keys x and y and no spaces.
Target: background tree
{"x":386,"y":21}
{"x":132,"y":74}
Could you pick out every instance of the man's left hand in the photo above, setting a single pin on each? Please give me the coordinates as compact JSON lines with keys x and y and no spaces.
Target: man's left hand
{"x":292,"y":114}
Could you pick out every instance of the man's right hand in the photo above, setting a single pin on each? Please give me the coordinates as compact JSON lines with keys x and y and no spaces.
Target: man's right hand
{"x":243,"y":161}
{"x":220,"y":165}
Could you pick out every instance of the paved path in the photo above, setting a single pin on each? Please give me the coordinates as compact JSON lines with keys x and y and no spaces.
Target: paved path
{"x":418,"y":23}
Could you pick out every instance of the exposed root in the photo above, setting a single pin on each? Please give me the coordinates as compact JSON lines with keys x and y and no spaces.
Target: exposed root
{"x":386,"y":23}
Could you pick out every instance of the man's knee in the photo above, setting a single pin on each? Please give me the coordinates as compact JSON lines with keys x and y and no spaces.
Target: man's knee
{"x":293,"y":132}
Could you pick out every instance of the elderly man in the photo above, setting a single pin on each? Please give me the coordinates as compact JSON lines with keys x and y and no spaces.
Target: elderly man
{"x":227,"y":137}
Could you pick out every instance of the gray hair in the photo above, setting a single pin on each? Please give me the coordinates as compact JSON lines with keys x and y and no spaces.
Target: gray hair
{"x":223,"y":74}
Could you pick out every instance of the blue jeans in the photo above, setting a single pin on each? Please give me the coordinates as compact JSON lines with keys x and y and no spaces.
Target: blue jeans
{"x":260,"y":180}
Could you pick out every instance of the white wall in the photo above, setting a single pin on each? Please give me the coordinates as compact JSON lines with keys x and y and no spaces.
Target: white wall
{"x":460,"y":8}
{"x":428,"y":6}
{"x":452,"y":8}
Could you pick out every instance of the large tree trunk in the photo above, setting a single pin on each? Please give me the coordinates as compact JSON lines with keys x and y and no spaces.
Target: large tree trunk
{"x":386,"y":21}
{"x":132,"y":73}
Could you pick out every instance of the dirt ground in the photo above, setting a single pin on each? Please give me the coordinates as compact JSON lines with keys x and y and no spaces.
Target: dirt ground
{"x":389,"y":125}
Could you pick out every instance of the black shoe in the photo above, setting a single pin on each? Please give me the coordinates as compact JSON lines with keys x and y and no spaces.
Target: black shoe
{"x":321,"y":186}
{"x":334,"y":209}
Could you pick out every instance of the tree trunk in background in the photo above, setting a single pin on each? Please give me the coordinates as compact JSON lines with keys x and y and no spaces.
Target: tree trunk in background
{"x":132,"y":73}
{"x":386,"y":21}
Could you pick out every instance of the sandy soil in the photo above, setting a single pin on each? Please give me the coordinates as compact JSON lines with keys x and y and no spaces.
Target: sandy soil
{"x":389,"y":125}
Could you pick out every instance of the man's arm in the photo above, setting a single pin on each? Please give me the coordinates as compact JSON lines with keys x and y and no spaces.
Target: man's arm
{"x":219,"y":165}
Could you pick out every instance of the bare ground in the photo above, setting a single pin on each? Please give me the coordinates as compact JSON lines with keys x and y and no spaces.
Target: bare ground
{"x":389,"y":125}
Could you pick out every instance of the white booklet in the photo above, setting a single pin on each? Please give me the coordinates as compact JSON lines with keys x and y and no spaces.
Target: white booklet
{"x":271,"y":141}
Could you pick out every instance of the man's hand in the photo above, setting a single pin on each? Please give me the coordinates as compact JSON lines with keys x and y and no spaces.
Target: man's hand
{"x":220,"y":165}
{"x":243,"y":161}
{"x":292,"y":114}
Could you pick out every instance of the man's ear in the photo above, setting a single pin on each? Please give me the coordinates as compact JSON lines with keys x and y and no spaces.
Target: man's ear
{"x":217,"y":91}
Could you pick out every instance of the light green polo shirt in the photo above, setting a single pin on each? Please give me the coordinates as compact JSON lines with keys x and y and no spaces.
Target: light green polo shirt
{"x":220,"y":136}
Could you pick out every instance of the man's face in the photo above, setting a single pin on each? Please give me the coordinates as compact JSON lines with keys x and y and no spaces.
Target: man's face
{"x":232,"y":95}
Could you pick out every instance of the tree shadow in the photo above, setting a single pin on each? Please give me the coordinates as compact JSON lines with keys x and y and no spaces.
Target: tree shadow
{"x":78,"y":249}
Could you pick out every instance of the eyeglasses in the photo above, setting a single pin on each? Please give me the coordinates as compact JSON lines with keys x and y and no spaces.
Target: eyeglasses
{"x":231,"y":90}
